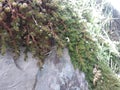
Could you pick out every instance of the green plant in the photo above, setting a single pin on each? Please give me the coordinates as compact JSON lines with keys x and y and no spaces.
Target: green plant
{"x":29,"y":24}
{"x":89,"y":42}
{"x":77,"y":25}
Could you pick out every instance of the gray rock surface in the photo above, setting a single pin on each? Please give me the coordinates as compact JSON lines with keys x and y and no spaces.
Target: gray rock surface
{"x":57,"y":73}
{"x":14,"y":78}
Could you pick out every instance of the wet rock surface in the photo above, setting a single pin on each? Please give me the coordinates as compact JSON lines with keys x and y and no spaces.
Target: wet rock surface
{"x":57,"y":73}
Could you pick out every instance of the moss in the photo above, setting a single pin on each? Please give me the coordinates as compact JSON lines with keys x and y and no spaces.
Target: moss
{"x":29,"y":24}
{"x":38,"y":26}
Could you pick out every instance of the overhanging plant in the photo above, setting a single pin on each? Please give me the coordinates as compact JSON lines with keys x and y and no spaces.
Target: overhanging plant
{"x":38,"y":25}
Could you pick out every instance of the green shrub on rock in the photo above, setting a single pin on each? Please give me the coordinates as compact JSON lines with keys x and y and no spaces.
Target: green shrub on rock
{"x":38,"y":25}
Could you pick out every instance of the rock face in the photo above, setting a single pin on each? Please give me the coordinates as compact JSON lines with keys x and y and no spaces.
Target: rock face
{"x":57,"y":73}
{"x":12,"y":77}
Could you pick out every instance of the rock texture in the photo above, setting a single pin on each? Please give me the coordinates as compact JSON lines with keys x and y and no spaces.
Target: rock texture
{"x":15,"y":77}
{"x":57,"y":73}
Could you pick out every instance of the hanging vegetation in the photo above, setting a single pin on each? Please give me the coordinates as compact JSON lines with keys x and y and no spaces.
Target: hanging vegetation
{"x":38,"y":25}
{"x":32,"y":24}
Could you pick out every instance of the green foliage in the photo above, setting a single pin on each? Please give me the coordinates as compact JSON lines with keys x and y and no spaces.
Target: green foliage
{"x":109,"y":80}
{"x":30,"y":24}
{"x":89,"y":43}
{"x":78,"y":25}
